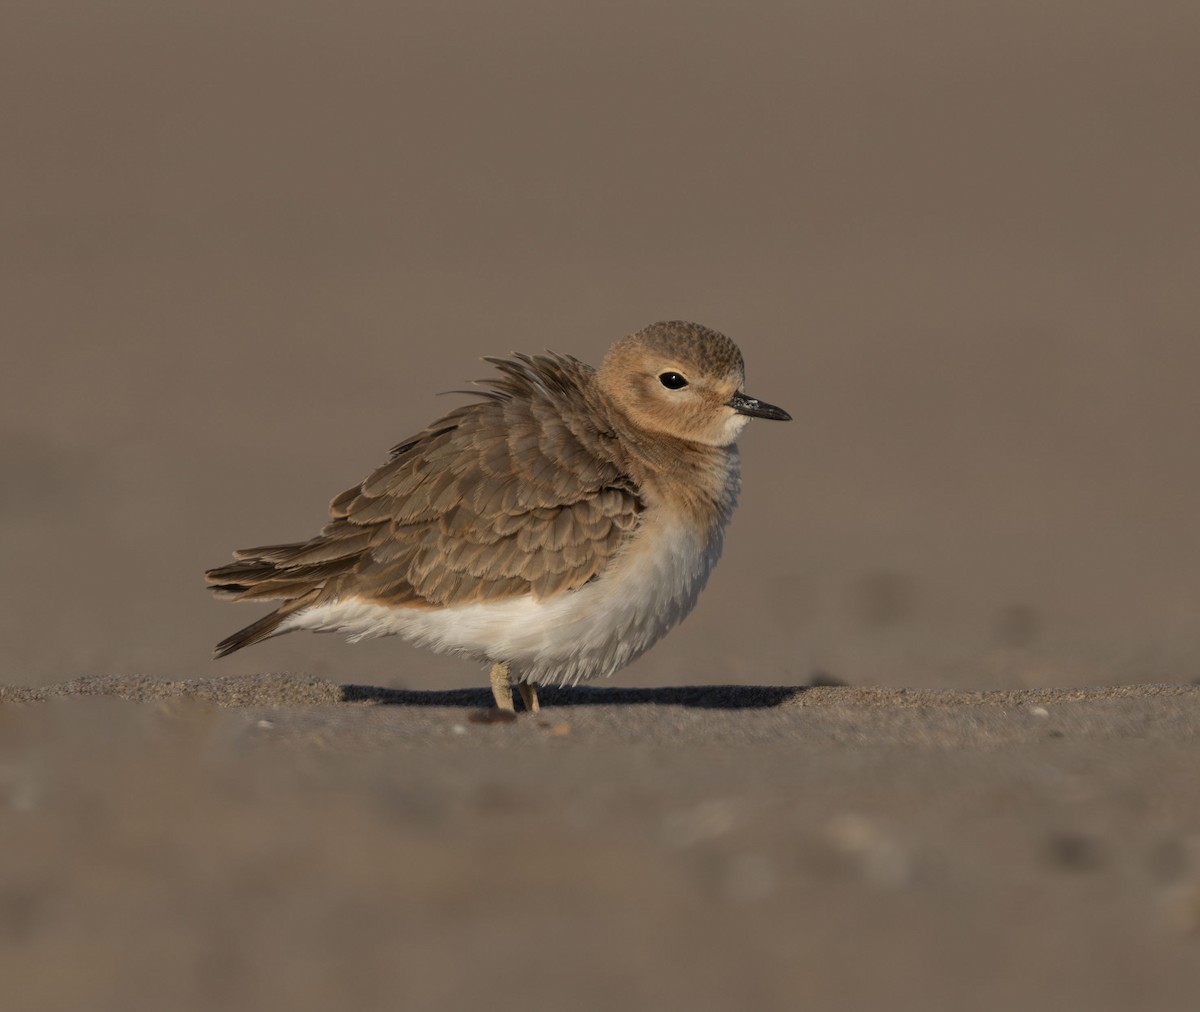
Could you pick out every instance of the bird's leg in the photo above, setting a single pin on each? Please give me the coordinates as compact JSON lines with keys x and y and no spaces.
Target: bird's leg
{"x":528,"y":691}
{"x":502,"y":687}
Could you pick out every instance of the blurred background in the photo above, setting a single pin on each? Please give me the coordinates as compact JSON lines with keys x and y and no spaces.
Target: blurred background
{"x":244,"y":245}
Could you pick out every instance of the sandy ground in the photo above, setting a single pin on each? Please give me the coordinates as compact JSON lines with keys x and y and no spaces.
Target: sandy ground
{"x":241,"y":248}
{"x":289,"y":842}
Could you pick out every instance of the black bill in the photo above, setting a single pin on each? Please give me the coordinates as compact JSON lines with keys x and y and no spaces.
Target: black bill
{"x":755,"y":408}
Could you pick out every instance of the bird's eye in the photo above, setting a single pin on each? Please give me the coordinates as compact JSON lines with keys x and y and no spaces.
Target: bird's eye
{"x":672,"y":381}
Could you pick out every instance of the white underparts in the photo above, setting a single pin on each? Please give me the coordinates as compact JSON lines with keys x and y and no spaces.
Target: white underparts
{"x":572,"y":636}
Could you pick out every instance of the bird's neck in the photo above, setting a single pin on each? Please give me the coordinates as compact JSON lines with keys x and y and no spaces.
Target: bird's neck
{"x":681,"y":476}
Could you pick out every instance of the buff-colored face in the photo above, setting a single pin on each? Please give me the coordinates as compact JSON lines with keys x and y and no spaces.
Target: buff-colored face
{"x":682,"y":380}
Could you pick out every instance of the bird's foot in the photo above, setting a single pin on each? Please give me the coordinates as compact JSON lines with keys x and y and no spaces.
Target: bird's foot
{"x":502,"y":690}
{"x":528,"y":691}
{"x":502,"y":687}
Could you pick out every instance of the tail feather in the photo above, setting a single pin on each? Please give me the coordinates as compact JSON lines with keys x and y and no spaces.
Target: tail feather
{"x":272,"y":590}
{"x":264,"y":628}
{"x":253,"y":572}
{"x":307,"y":553}
{"x":294,"y":574}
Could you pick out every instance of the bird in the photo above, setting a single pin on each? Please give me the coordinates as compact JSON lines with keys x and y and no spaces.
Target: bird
{"x":555,"y":527}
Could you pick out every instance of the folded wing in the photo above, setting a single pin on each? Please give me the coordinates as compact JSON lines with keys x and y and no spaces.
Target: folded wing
{"x":519,"y":493}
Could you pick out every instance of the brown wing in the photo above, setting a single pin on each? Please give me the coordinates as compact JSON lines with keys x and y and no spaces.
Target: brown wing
{"x":519,"y":493}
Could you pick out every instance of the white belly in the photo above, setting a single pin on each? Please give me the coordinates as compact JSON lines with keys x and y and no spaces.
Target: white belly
{"x":572,"y":636}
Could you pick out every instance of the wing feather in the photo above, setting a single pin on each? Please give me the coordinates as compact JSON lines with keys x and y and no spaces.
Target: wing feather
{"x":520,"y":492}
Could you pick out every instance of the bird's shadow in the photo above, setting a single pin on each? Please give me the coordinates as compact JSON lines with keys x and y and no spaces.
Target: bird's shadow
{"x":712,"y":697}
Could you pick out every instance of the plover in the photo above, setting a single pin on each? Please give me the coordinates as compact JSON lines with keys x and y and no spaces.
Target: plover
{"x":555,"y":528}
